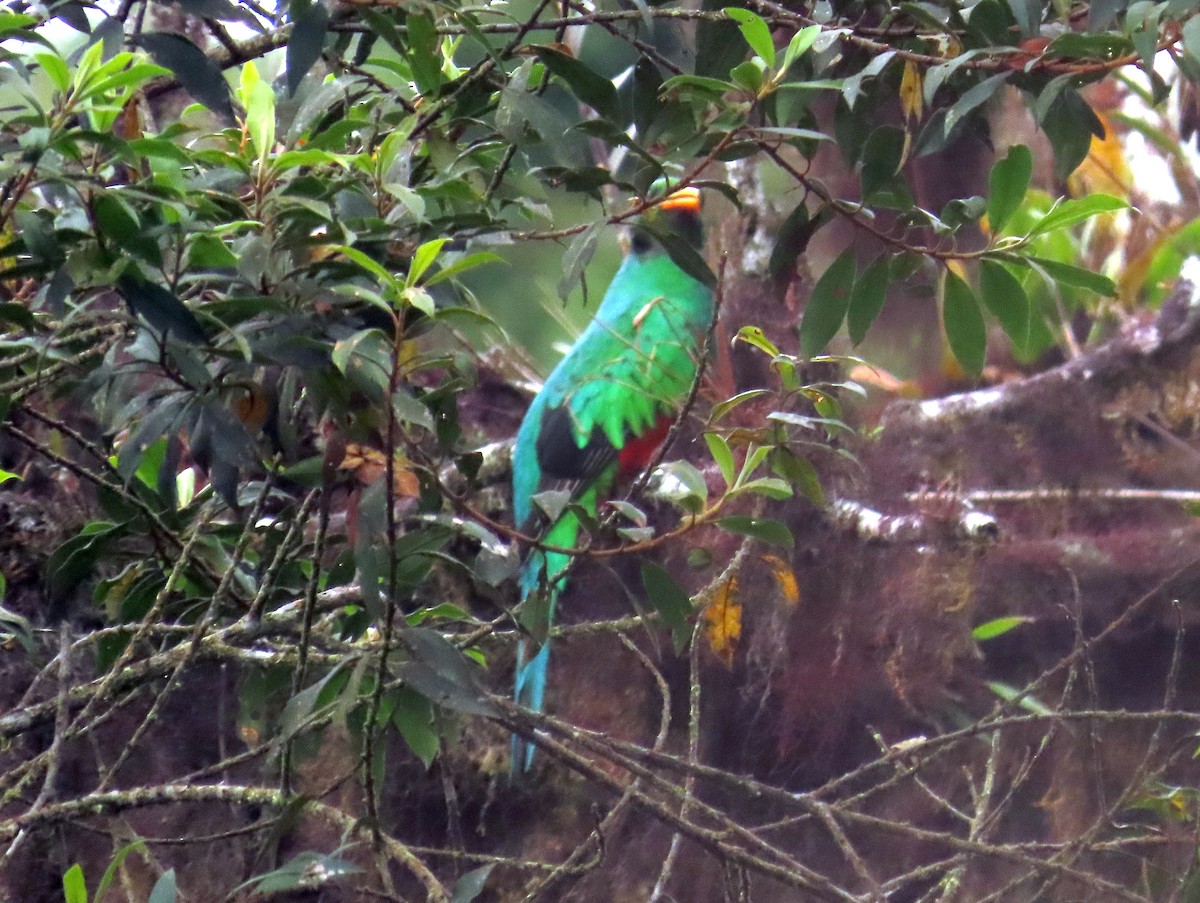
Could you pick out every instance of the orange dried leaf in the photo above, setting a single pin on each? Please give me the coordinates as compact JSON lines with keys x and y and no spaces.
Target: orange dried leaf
{"x":723,"y":621}
{"x":251,"y":406}
{"x":369,"y":464}
{"x":785,"y":578}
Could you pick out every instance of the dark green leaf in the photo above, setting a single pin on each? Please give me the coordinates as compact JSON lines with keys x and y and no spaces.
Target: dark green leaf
{"x":423,"y":55}
{"x":1074,"y":45}
{"x":591,"y":88}
{"x":882,"y":157}
{"x":717,"y":46}
{"x":198,"y":75}
{"x":826,"y":308}
{"x":764,"y":529}
{"x":310,"y":21}
{"x":867,"y":298}
{"x":440,"y":672}
{"x":578,"y":255}
{"x":972,"y":98}
{"x":1007,"y":184}
{"x":1070,"y":124}
{"x":800,"y":473}
{"x":1003,"y":295}
{"x":792,"y":237}
{"x":963,"y":322}
{"x":297,"y":873}
{"x":414,"y":719}
{"x":670,"y":600}
{"x":684,"y":255}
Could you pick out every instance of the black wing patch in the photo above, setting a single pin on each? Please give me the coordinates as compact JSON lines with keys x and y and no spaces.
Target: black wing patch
{"x":561,"y":459}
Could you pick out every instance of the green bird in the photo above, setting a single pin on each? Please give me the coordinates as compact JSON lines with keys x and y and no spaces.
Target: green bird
{"x":605,"y":410}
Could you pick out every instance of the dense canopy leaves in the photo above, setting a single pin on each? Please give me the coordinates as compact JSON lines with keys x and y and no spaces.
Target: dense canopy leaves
{"x":256,"y":283}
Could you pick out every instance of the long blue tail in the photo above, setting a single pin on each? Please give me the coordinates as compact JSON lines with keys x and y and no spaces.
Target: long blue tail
{"x":542,"y":572}
{"x":531,"y":693}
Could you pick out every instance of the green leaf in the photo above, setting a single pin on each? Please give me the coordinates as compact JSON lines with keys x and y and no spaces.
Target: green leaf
{"x":1007,"y":184}
{"x":56,"y":70}
{"x":753,"y":335}
{"x":372,"y":266}
{"x":297,"y":873}
{"x":422,"y":53}
{"x":690,"y":491}
{"x":684,"y":256}
{"x":720,"y":409}
{"x":118,"y":860}
{"x":771,"y":487}
{"x":764,"y":529}
{"x":793,"y":236}
{"x":882,"y":157}
{"x":310,"y":21}
{"x":591,"y":88}
{"x":670,"y":600}
{"x":748,"y":75}
{"x":1070,"y":124}
{"x":722,"y":455}
{"x":413,"y":717}
{"x":972,"y":98}
{"x":161,"y":308}
{"x":440,"y":672}
{"x":756,"y":32}
{"x":1008,"y":693}
{"x":470,"y":885}
{"x":1003,"y":295}
{"x":259,"y":101}
{"x":963,"y":322}
{"x":578,"y":255}
{"x":74,"y":886}
{"x":826,"y":308}
{"x":164,"y":888}
{"x":799,"y":45}
{"x":998,"y":627}
{"x":469,"y":262}
{"x":867,"y":298}
{"x":1075,"y":210}
{"x":799,"y":472}
{"x":1077,"y":277}
{"x":1101,"y":46}
{"x":198,"y":75}
{"x":424,"y":257}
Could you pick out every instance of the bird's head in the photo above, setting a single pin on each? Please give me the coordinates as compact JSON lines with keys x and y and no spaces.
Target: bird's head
{"x":677,"y":214}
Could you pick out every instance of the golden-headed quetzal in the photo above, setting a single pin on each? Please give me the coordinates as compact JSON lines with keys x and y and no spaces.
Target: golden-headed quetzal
{"x":605,"y":409}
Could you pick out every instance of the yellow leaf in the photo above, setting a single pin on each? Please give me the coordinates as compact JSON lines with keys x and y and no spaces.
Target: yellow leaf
{"x":785,"y":579}
{"x":912,"y":91}
{"x":723,"y":621}
{"x":1104,"y":170}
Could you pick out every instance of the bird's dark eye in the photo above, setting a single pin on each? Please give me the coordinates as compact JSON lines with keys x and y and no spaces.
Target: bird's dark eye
{"x":641,"y":242}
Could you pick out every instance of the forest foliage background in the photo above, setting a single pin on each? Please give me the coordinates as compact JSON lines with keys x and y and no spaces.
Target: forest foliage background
{"x":904,"y":613}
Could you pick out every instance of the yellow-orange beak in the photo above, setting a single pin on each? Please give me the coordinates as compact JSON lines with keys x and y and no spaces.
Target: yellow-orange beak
{"x":683,"y":199}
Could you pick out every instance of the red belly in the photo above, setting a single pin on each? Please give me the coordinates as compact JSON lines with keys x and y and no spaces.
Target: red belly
{"x":638,"y":451}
